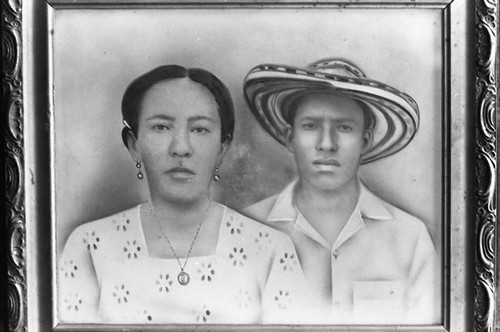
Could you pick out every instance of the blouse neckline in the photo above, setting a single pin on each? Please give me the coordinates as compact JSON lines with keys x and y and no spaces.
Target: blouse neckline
{"x":142,"y":236}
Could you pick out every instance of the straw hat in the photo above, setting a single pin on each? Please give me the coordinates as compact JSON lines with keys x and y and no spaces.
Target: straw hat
{"x":270,"y":88}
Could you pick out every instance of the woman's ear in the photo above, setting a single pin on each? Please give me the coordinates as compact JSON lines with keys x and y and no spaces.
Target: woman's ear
{"x":289,"y":138}
{"x":367,"y":139}
{"x":226,"y":141}
{"x":130,"y":142}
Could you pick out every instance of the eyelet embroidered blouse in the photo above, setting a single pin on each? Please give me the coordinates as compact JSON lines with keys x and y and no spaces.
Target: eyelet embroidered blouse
{"x":107,"y":275}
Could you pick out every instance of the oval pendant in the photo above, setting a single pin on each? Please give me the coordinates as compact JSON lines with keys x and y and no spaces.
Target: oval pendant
{"x":183,"y":278}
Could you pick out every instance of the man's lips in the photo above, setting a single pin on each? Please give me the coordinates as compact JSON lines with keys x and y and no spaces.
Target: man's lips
{"x":326,"y":162}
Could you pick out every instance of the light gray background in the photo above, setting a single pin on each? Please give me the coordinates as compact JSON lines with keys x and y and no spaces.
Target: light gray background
{"x":98,"y":52}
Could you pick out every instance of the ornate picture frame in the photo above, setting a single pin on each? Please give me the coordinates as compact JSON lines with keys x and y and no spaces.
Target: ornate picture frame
{"x":470,"y":234}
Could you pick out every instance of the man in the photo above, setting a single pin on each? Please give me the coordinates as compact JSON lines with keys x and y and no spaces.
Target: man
{"x":366,"y":261}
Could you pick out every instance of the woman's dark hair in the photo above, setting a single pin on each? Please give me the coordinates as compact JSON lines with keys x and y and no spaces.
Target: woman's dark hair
{"x":135,"y":92}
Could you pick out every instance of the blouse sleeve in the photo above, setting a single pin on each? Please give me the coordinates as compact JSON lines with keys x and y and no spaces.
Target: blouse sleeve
{"x":78,"y":287}
{"x":284,"y":298}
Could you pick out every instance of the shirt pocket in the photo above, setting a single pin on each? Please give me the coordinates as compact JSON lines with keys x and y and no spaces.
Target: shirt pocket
{"x":379,"y":302}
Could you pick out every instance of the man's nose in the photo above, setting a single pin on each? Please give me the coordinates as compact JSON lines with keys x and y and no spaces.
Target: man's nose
{"x":327,"y":140}
{"x":180,"y":145}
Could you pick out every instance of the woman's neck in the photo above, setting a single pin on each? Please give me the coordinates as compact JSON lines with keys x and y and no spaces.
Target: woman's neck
{"x":186,"y":224}
{"x":179,"y":215}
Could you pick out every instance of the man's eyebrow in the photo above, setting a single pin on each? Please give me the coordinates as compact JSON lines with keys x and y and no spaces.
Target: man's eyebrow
{"x":200,"y":117}
{"x":320,"y":118}
{"x":345,"y":120}
{"x":311,"y":118}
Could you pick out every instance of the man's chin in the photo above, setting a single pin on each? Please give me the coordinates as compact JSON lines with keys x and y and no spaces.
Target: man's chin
{"x":330,"y":182}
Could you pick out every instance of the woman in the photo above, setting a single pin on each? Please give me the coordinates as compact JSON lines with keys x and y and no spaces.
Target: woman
{"x":180,"y":257}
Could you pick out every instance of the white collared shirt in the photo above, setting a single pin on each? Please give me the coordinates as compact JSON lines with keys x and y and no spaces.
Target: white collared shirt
{"x":382,"y":268}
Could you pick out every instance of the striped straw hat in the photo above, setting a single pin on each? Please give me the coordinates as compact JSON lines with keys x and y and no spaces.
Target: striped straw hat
{"x":270,"y":88}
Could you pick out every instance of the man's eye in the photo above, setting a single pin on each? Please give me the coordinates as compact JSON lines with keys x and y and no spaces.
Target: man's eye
{"x":309,"y":126}
{"x":345,"y":128}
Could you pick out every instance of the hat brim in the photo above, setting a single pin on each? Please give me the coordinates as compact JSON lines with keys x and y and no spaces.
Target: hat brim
{"x":396,"y":116}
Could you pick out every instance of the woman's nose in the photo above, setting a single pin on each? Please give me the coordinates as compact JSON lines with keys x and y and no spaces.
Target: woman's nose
{"x":180,"y":145}
{"x":327,"y":140}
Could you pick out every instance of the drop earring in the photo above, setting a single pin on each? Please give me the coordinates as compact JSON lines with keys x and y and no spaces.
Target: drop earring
{"x":140,"y":176}
{"x":216,"y":173}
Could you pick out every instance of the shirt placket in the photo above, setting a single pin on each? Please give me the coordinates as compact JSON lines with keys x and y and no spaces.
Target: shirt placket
{"x":354,"y":224}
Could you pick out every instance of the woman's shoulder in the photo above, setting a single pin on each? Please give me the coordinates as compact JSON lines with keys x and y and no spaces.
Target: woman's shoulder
{"x":117,"y":220}
{"x":95,"y":230}
{"x":241,"y":224}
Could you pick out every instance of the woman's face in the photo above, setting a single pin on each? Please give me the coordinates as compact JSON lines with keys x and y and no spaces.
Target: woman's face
{"x":178,"y":139}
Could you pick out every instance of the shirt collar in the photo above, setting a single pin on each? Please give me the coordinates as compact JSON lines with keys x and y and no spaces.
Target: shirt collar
{"x":369,"y":206}
{"x":283,"y":208}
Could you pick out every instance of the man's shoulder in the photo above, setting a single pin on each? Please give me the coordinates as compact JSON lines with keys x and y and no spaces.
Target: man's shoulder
{"x":260,"y":210}
{"x":400,"y":217}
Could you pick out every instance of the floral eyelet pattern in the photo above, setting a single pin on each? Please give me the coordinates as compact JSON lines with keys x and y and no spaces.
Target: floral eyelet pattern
{"x":121,"y":224}
{"x":91,"y":240}
{"x":147,"y":317}
{"x":288,"y":262}
{"x":283,"y":299}
{"x":69,"y":269}
{"x":121,"y":294}
{"x":132,"y":249}
{"x":203,"y":314}
{"x":238,"y":256}
{"x":207,"y":272}
{"x":252,"y":267}
{"x":164,"y":283}
{"x":73,"y":302}
{"x":243,"y":298}
{"x":262,"y":240}
{"x":234,"y":227}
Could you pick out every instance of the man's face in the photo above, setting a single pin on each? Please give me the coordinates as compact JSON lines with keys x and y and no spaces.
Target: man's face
{"x":327,"y":139}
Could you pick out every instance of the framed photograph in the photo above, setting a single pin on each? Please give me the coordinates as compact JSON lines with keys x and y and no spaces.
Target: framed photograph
{"x":68,"y":67}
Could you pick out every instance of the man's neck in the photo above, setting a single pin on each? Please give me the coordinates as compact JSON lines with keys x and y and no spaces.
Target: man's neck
{"x":327,"y":211}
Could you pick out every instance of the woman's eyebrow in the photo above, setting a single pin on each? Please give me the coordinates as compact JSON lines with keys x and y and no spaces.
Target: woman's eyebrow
{"x":161,"y":117}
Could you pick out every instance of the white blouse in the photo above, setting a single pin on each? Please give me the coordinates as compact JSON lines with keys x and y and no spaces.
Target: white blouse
{"x":107,"y":275}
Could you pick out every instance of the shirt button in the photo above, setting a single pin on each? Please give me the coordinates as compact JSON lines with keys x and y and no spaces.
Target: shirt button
{"x":336,"y":253}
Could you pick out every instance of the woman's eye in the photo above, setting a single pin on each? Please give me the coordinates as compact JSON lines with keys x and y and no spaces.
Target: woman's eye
{"x":160,"y":127}
{"x":200,"y":130}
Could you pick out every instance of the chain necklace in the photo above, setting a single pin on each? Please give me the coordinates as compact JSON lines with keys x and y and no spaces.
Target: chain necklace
{"x":183,"y":277}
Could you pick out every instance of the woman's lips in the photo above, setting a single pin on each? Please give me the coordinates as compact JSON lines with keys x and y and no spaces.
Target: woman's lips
{"x":180,"y":173}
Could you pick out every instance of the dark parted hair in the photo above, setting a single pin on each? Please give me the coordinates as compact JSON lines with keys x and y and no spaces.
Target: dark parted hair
{"x":137,"y":89}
